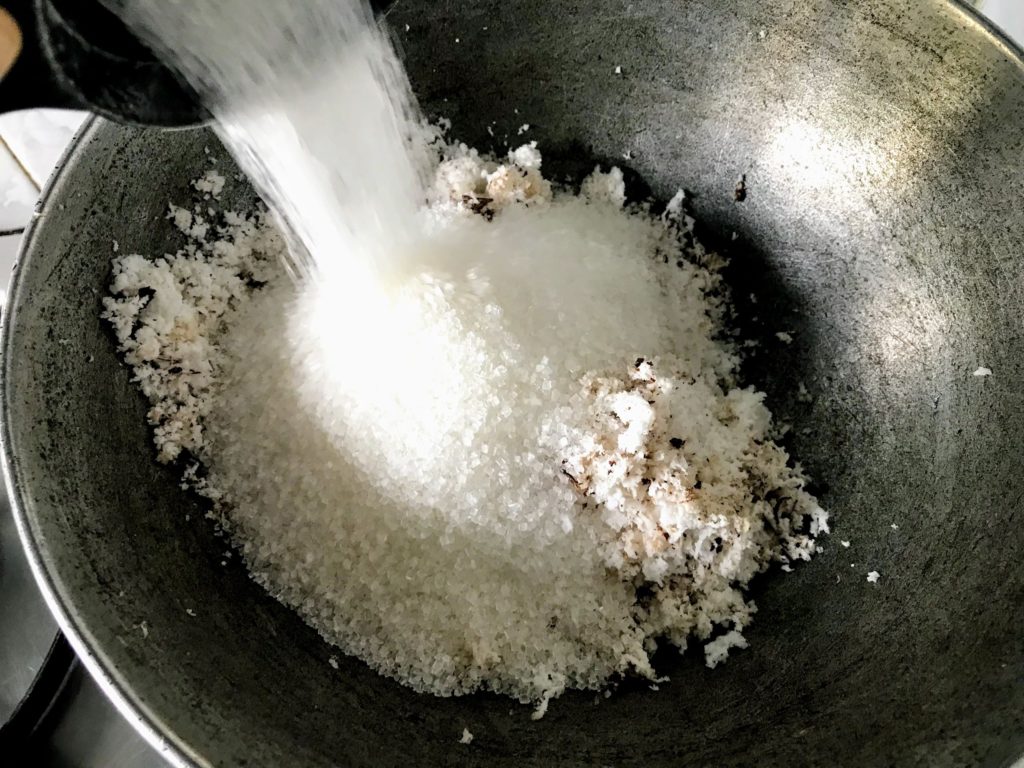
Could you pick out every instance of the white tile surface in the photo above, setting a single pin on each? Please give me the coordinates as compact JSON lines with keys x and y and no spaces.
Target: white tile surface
{"x":17,"y":193}
{"x":8,"y":253}
{"x":1008,"y":14}
{"x":38,"y":137}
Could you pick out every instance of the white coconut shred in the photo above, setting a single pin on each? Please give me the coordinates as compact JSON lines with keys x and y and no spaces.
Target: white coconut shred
{"x":518,"y":464}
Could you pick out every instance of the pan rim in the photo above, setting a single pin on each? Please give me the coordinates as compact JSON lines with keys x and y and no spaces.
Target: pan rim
{"x":103,"y":671}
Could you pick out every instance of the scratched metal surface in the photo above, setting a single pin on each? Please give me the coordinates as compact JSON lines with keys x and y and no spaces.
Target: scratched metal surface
{"x":26,"y":627}
{"x":882,"y":144}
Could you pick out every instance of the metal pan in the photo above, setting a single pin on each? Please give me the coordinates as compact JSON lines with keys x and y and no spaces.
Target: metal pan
{"x":882,"y":144}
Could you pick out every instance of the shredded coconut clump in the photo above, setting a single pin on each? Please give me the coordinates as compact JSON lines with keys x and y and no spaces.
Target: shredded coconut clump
{"x":211,"y":183}
{"x":518,"y":464}
{"x":167,"y":315}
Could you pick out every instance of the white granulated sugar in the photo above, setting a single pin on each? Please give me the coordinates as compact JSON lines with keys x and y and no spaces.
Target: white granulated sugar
{"x":467,"y":737}
{"x":517,"y":464}
{"x":983,"y":372}
{"x":873,"y":577}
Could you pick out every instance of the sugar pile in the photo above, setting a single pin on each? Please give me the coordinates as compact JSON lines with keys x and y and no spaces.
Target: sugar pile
{"x":517,"y":463}
{"x":493,"y":442}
